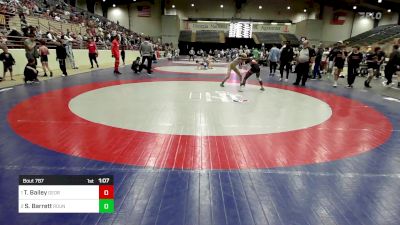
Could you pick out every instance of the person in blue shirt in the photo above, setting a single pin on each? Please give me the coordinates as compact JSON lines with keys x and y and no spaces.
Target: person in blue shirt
{"x":274,"y":55}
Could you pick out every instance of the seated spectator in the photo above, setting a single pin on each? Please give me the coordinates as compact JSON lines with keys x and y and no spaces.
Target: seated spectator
{"x":57,"y":18}
{"x":50,"y":36}
{"x":3,"y":39}
{"x":25,"y":10}
{"x":38,"y":33}
{"x":36,"y":9}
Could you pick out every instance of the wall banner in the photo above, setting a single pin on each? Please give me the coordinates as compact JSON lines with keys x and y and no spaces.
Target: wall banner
{"x":224,"y":27}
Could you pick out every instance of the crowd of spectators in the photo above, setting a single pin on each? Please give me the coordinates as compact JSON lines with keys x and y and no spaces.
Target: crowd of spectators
{"x":93,"y":26}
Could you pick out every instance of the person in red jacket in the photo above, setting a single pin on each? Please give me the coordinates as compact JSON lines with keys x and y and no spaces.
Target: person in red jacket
{"x":92,"y":52}
{"x":115,"y":53}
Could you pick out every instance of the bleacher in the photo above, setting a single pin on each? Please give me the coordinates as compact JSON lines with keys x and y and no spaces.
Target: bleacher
{"x":292,"y":38}
{"x":59,"y":18}
{"x":208,"y":36}
{"x":383,"y":36}
{"x":185,"y":36}
{"x":269,"y":38}
{"x":378,"y":34}
{"x":45,"y":25}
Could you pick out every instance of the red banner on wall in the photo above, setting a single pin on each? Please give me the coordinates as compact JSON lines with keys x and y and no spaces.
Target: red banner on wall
{"x":339,"y":18}
{"x":144,"y":11}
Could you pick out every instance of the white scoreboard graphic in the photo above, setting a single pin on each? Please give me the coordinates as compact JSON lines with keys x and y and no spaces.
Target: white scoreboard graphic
{"x":240,"y":30}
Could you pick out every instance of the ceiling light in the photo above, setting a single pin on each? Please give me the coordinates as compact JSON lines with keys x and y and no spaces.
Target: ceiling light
{"x":192,"y":5}
{"x":260,"y":7}
{"x":222,"y":6}
{"x":354,"y":7}
{"x":114,"y":5}
{"x":173,"y":6}
{"x":104,"y":0}
{"x":288,"y":7}
{"x":379,"y":1}
{"x":305,"y":10}
{"x":389,"y":10}
{"x":274,"y":23}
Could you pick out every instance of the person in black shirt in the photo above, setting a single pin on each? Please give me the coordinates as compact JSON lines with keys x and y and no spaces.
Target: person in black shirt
{"x":372,"y":64}
{"x":381,"y":58}
{"x":30,"y":72}
{"x":353,"y":62}
{"x":123,"y":54}
{"x":338,"y":61}
{"x":8,"y":62}
{"x":254,"y":68}
{"x":136,"y":65}
{"x":286,"y":59}
{"x":332,"y":55}
{"x":392,"y":66}
{"x":317,"y":66}
{"x":61,"y":54}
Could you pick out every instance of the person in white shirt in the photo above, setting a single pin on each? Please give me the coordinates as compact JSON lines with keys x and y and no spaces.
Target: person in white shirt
{"x":177,"y":52}
{"x":191,"y":54}
{"x":68,"y":47}
{"x":50,"y":36}
{"x":306,"y":56}
{"x":79,"y":38}
{"x":324,"y":61}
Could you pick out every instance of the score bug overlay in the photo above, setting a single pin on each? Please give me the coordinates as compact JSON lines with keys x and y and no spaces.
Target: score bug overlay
{"x":66,"y":194}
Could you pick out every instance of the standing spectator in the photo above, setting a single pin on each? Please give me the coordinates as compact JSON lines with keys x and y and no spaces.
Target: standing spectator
{"x":285,"y":60}
{"x":255,"y":53}
{"x":353,"y":61}
{"x":273,"y":59}
{"x":372,"y":64}
{"x":392,"y":66}
{"x":115,"y":53}
{"x":79,"y":38}
{"x":332,"y":55}
{"x":44,"y":52}
{"x":93,"y":53}
{"x":317,"y":64}
{"x":8,"y":62}
{"x":177,"y":52}
{"x":146,"y":51}
{"x":123,"y":54}
{"x":381,"y":59}
{"x":306,"y":56}
{"x":68,"y":47}
{"x":339,"y":61}
{"x":192,"y":52}
{"x":30,"y":48}
{"x":324,"y":61}
{"x":61,"y":56}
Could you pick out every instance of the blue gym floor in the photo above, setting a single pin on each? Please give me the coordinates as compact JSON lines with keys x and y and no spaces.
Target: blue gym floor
{"x":363,"y":189}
